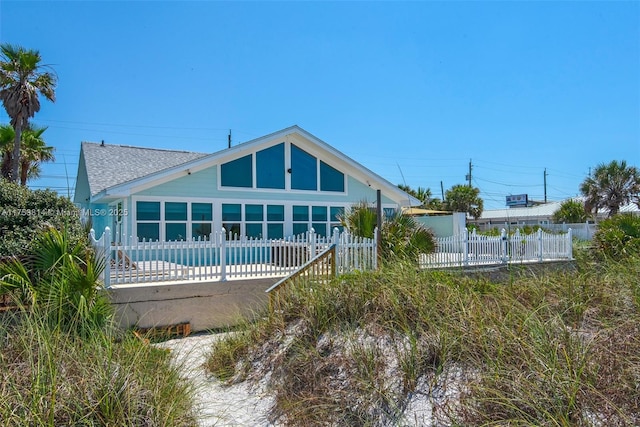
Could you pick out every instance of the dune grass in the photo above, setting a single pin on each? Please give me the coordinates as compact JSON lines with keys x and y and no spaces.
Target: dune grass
{"x":527,"y":347}
{"x":50,"y":377}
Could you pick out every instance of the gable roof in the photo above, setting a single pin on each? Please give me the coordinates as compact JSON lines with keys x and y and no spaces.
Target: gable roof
{"x":131,"y":167}
{"x":110,"y":165}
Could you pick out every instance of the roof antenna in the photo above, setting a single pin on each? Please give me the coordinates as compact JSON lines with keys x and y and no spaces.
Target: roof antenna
{"x":102,"y":143}
{"x":229,"y":138}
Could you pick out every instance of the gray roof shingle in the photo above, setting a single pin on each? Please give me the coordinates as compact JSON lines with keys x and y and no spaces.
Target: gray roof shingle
{"x":108,"y":165}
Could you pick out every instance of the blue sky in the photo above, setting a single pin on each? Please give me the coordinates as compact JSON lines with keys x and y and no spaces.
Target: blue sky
{"x":411,"y":90}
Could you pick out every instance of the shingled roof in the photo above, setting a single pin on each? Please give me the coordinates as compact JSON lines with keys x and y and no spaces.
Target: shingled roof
{"x":108,"y":165}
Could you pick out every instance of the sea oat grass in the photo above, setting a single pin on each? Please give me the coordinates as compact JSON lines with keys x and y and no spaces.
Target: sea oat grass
{"x":50,"y":377}
{"x":556,"y":346}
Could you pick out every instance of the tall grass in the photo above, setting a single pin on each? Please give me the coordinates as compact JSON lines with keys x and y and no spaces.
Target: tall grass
{"x":62,"y":360}
{"x":50,"y":377}
{"x":560,"y":347}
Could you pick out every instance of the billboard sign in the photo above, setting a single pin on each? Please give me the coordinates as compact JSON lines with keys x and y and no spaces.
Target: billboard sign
{"x":517,"y":200}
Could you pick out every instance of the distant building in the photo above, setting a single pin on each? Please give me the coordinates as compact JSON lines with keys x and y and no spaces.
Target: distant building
{"x":539,"y":214}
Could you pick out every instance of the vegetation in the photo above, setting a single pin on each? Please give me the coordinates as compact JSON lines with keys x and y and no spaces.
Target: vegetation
{"x":619,"y":236}
{"x":571,"y":211}
{"x":25,"y":213}
{"x":62,"y":360}
{"x":611,"y":186}
{"x":22,"y":78}
{"x":425,"y":196}
{"x":517,"y":348}
{"x":463,"y":198}
{"x":402,"y":236}
{"x":54,"y":378}
{"x":60,"y":278}
{"x":33,"y":152}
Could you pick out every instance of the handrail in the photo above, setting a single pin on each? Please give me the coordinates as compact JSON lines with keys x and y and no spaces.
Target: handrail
{"x":331,"y":250}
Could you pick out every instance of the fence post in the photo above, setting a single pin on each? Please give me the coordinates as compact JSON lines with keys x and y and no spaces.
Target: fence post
{"x":376,"y":247}
{"x":465,"y":247}
{"x":570,"y":243}
{"x":336,"y":241}
{"x":106,"y":247}
{"x":223,"y":255}
{"x":540,"y":245}
{"x":503,"y":236}
{"x":312,"y":241}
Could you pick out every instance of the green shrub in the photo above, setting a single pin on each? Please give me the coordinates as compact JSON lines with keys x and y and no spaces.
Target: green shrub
{"x":24,"y":213}
{"x":618,"y":236}
{"x":59,"y":278}
{"x":402,"y":237}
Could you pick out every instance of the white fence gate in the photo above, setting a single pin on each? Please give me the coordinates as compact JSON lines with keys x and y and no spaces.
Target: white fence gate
{"x":467,"y":249}
{"x":224,"y":257}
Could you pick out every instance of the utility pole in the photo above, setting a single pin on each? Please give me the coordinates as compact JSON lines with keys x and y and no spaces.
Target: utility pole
{"x":545,"y":185}
{"x":468,"y":177}
{"x":442,"y":190}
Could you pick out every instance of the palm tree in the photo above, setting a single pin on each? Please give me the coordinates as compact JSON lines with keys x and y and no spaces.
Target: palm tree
{"x":33,"y":151}
{"x":611,"y":186}
{"x":462,"y":198}
{"x":7,"y":136}
{"x":22,"y":77}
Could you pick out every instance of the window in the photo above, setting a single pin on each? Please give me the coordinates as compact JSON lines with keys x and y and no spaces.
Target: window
{"x":304,"y":170}
{"x":300,"y":219}
{"x":270,"y":167}
{"x":334,"y":219}
{"x":231,"y":218}
{"x":319,"y":219}
{"x":275,"y":221}
{"x":175,"y":216}
{"x":237,"y":173}
{"x":253,"y":215}
{"x":330,"y":179}
{"x":148,"y":220}
{"x":201,"y":219}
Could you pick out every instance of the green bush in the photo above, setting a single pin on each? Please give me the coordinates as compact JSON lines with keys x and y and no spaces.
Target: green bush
{"x":618,"y":236}
{"x":61,"y":280}
{"x":24,"y":213}
{"x":402,"y":237}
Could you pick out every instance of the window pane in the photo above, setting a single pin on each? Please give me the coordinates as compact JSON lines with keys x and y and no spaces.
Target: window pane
{"x":233,"y":228}
{"x":202,"y":230}
{"x":301,"y":213}
{"x":335,"y":212}
{"x":275,"y":213}
{"x":231,"y":212}
{"x":148,"y":231}
{"x":389,"y":212}
{"x":146,"y":211}
{"x":304,"y":170}
{"x":175,"y":231}
{"x":253,"y":230}
{"x":319,"y":213}
{"x":175,"y":211}
{"x":237,"y":173}
{"x":275,"y":231}
{"x":320,"y":228}
{"x":253,"y":213}
{"x":330,"y":179}
{"x":201,"y":212}
{"x":299,"y":228}
{"x":270,"y":167}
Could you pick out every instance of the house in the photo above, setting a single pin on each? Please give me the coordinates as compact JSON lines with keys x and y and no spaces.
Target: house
{"x":540,"y":214}
{"x":278,"y":185}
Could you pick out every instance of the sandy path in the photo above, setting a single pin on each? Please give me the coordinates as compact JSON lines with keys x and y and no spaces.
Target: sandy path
{"x":218,"y":405}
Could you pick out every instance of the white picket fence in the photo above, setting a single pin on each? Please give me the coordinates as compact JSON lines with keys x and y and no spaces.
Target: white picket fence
{"x":468,"y":249}
{"x":225,"y":257}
